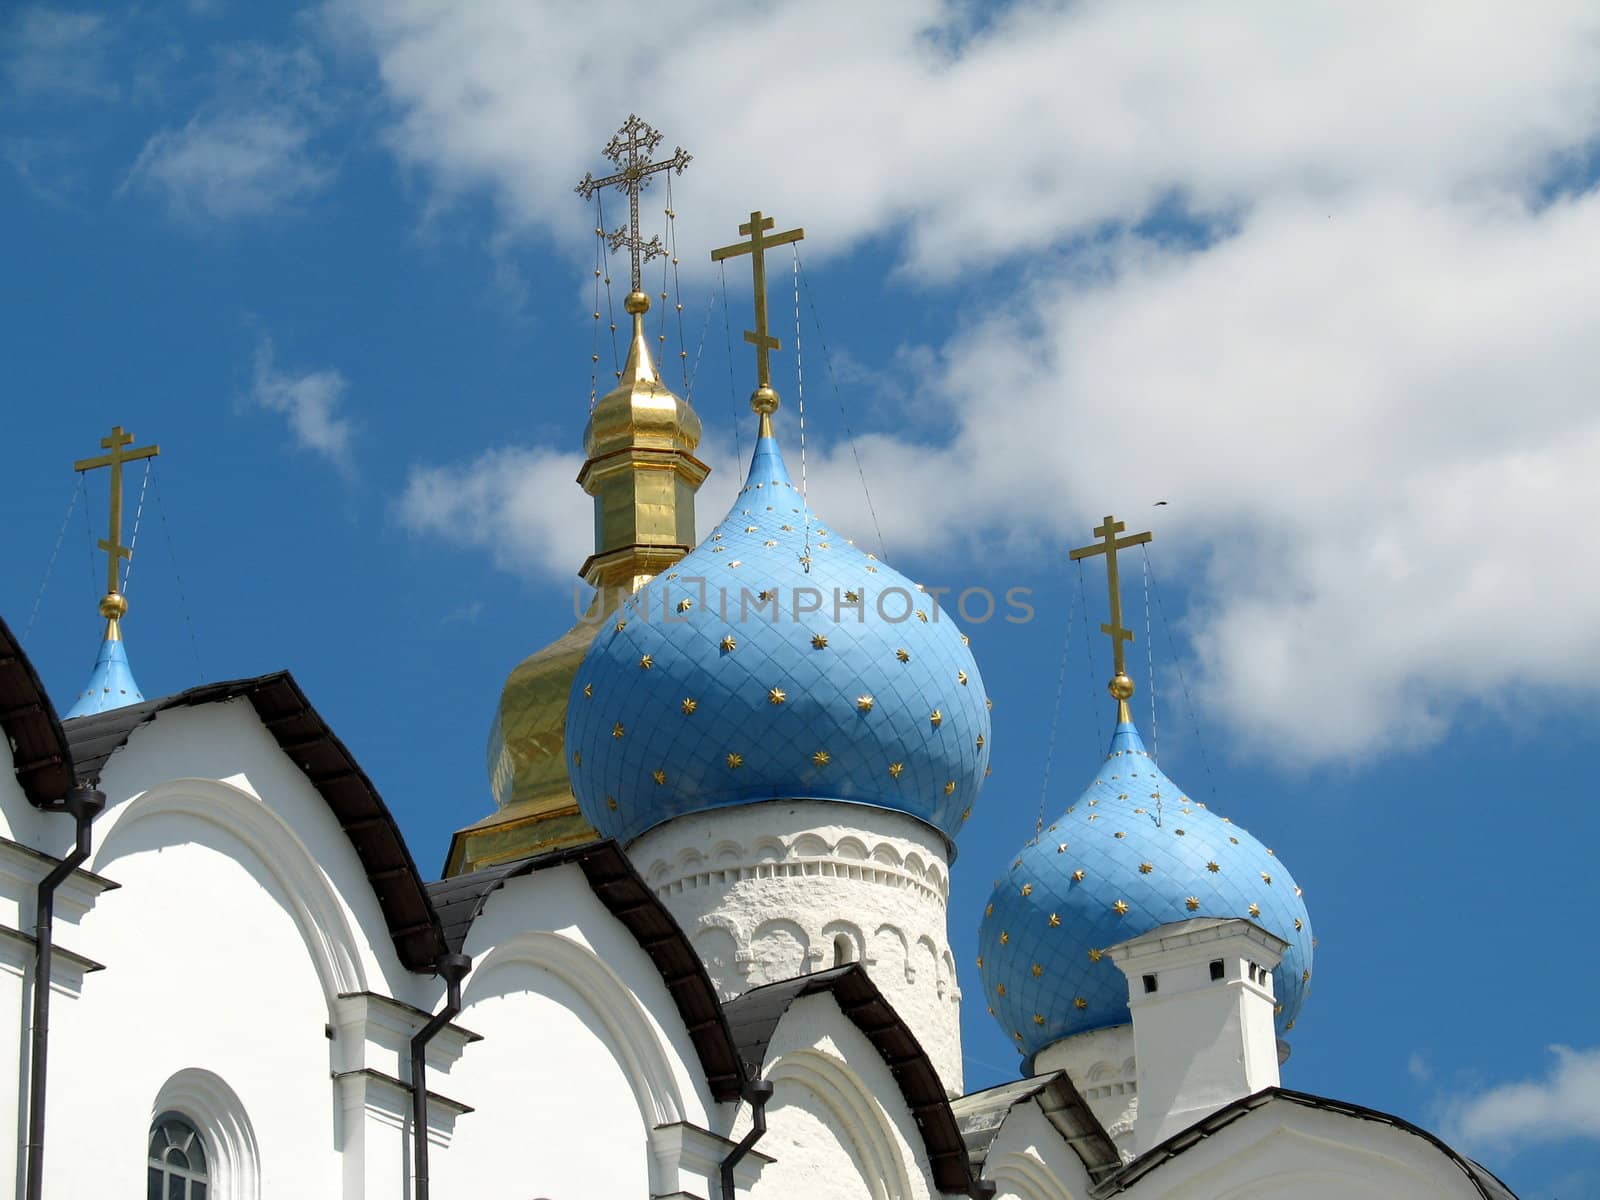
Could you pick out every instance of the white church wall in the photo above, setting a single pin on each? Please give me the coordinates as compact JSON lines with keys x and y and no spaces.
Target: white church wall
{"x":586,"y":1078}
{"x":20,"y":821}
{"x":1028,"y":1160}
{"x":226,"y":742}
{"x":1286,"y":1151}
{"x":209,"y":968}
{"x":837,"y":1125}
{"x":790,"y":887}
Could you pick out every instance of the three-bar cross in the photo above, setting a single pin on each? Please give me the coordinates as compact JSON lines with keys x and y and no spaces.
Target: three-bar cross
{"x":755,"y":229}
{"x":630,"y":149}
{"x":112,"y":544}
{"x":1109,"y":544}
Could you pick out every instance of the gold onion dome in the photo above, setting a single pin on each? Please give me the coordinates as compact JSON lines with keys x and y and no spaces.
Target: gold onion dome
{"x":641,"y":470}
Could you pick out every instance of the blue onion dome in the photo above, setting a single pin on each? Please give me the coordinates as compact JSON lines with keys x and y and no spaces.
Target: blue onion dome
{"x":1134,"y":852}
{"x":111,"y":684}
{"x":776,"y":662}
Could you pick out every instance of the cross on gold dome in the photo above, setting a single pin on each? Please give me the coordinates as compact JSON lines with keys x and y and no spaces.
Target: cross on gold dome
{"x":764,"y":400}
{"x":114,"y":605}
{"x":631,"y":149}
{"x":1121,"y":685}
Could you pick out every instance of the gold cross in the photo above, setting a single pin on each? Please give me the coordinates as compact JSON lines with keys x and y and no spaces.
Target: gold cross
{"x":1110,"y":543}
{"x":112,"y":545}
{"x":765,"y":400}
{"x":630,"y":149}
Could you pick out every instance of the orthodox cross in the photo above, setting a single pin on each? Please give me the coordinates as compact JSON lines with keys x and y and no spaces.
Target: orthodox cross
{"x":1110,"y":543}
{"x":112,"y":544}
{"x":755,"y":229}
{"x":630,"y":149}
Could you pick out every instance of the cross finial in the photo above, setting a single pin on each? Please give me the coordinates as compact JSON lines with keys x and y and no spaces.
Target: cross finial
{"x":1121,"y":685}
{"x":630,"y":150}
{"x":113,"y":606}
{"x":764,"y":400}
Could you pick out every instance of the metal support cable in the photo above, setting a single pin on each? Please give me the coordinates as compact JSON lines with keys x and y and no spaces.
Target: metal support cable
{"x":1183,"y":683}
{"x":50,"y":566}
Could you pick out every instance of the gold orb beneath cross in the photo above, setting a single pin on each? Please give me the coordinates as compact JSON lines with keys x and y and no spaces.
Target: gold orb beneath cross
{"x":1121,"y":687}
{"x":764,"y":400}
{"x":113,"y":606}
{"x":636,"y":303}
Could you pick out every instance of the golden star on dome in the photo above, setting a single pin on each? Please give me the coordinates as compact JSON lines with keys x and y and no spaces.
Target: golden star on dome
{"x":776,"y":695}
{"x":611,"y":803}
{"x":864,"y":703}
{"x":1192,"y":903}
{"x":659,"y":776}
{"x":1213,"y":867}
{"x":1055,"y":920}
{"x":852,"y":597}
{"x":588,"y":691}
{"x":646,"y":662}
{"x":1146,"y":868}
{"x":966,"y":813}
{"x":1305,"y":976}
{"x":819,"y":641}
{"x":729,"y":644}
{"x":688,"y":704}
{"x":989,"y":911}
{"x":1095,"y":954}
{"x":1120,"y":908}
{"x":1000,"y":989}
{"x":949,"y":787}
{"x":1079,"y":1003}
{"x":620,"y":626}
{"x":922,"y":616}
{"x":822,"y":758}
{"x":1119,"y":834}
{"x":617,"y":730}
{"x":980,"y":962}
{"x":965,"y":640}
{"x":577,"y":758}
{"x":936,"y":718}
{"x":1254,"y":910}
{"x":961,"y":678}
{"x":1037,"y":1019}
{"x":1297,"y":924}
{"x":1077,"y":876}
{"x":1004,"y":937}
{"x":685,"y":605}
{"x":1027,"y":889}
{"x":895,"y":769}
{"x":765,"y":594}
{"x":903,"y":655}
{"x":1179,"y":832}
{"x":987,"y":771}
{"x":979,"y":742}
{"x":1265,"y":878}
{"x":734,"y":760}
{"x":1038,"y":970}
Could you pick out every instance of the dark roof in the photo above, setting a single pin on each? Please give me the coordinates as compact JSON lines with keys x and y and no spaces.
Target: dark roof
{"x":979,"y":1115}
{"x":1487,"y":1185}
{"x":305,"y":737}
{"x":754,"y":1018}
{"x":38,"y":747}
{"x":611,"y":876}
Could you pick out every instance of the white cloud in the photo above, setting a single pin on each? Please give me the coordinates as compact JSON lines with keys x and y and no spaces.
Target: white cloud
{"x":1564,"y":1104}
{"x":249,"y":151}
{"x":53,"y":53}
{"x":1366,"y":386}
{"x":311,"y":403}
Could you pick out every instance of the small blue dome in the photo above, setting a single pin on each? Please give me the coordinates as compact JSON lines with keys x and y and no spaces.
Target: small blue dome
{"x":1133,"y":853}
{"x":111,"y":682}
{"x":714,"y":685}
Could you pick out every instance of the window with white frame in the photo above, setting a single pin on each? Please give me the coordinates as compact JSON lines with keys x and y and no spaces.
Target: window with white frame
{"x":177,"y":1168}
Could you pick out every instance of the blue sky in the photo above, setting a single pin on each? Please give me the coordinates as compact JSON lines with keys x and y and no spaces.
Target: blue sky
{"x":1320,"y":279}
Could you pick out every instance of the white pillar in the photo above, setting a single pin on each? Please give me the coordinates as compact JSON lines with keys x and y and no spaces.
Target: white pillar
{"x":1201,"y":996}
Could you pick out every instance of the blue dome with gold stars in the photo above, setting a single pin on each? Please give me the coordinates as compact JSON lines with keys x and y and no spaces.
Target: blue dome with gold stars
{"x":776,"y":662}
{"x":1134,"y":852}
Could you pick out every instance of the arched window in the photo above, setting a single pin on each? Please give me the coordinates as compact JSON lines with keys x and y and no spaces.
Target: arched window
{"x":844,"y":950}
{"x":177,"y":1168}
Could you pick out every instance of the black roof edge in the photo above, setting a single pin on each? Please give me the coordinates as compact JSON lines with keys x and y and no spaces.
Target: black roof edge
{"x":1488,"y":1185}
{"x":617,"y":884}
{"x":754,"y":1017}
{"x":303,"y":735}
{"x":1093,"y":1146}
{"x":40,"y":754}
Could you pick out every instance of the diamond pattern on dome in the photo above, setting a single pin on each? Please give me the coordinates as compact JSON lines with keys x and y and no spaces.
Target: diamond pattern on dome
{"x":1082,"y":886}
{"x":760,"y":626}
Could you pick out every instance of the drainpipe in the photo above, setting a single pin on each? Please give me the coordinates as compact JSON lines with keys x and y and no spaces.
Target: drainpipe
{"x":757,"y":1092}
{"x":981,"y":1189}
{"x":84,"y":804}
{"x":454,"y":968}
